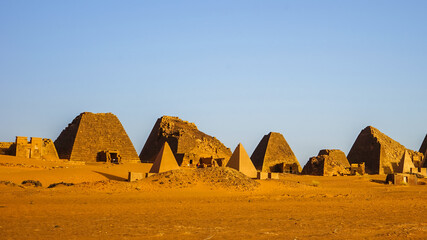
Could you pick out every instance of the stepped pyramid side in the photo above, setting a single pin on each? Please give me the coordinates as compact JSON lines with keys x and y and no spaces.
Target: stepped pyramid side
{"x":165,"y":160}
{"x":273,"y":154}
{"x":186,"y":142}
{"x":89,"y":134}
{"x":381,"y":154}
{"x":241,"y":162}
{"x":65,"y":141}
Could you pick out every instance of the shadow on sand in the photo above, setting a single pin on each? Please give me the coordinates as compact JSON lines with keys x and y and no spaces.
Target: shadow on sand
{"x":111,"y":177}
{"x":378,"y":181}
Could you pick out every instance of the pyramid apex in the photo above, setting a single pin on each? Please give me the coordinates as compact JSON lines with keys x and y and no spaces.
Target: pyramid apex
{"x":165,"y":160}
{"x":241,"y":162}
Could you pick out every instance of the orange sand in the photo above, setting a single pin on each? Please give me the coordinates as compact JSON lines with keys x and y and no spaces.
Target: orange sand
{"x":291,"y":208}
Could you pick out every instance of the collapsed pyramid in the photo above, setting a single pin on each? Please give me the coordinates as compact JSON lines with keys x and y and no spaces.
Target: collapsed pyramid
{"x":165,"y":160}
{"x":327,"y":163}
{"x":90,"y":135}
{"x":381,"y":154}
{"x":187,"y":143}
{"x":241,"y":162}
{"x":273,"y":154}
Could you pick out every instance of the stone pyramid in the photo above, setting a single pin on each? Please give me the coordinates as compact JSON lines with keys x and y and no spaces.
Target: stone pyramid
{"x":423,"y":148}
{"x":165,"y":160}
{"x":90,"y":135}
{"x":187,"y":143}
{"x":381,"y":154}
{"x":406,"y":163}
{"x":241,"y":162}
{"x":327,"y":163}
{"x":273,"y":154}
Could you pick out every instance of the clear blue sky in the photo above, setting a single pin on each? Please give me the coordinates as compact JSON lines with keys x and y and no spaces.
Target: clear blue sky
{"x":316,"y":71}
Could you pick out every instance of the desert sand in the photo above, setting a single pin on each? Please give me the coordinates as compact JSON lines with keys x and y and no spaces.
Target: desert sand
{"x":185,"y":205}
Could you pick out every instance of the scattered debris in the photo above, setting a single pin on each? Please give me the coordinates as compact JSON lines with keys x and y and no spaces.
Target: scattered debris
{"x":32,"y":183}
{"x":60,"y":184}
{"x":9,"y":183}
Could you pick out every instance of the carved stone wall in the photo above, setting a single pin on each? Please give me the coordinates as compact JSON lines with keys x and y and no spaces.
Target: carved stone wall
{"x":35,"y":148}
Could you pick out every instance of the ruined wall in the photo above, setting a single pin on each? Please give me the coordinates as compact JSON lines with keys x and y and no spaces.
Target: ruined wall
{"x":187,"y":143}
{"x":314,"y":166}
{"x":7,"y":148}
{"x":37,"y":148}
{"x":327,"y":163}
{"x":27,"y":149}
{"x":273,"y":154}
{"x":380,"y":153}
{"x":91,"y":133}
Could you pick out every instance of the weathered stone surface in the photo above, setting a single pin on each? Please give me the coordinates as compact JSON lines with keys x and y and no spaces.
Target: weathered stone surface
{"x":38,"y":148}
{"x":90,"y":134}
{"x":187,"y":143}
{"x":327,"y":163}
{"x":273,"y":154}
{"x":405,"y":164}
{"x":401,"y":179}
{"x":357,"y":169}
{"x":381,"y":154}
{"x":241,"y":162}
{"x":7,"y":148}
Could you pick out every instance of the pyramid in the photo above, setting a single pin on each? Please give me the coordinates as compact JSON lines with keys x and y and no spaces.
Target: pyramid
{"x":423,"y":148}
{"x":241,"y":162}
{"x":90,"y":135}
{"x":381,"y":154}
{"x":406,"y":163}
{"x":327,"y":163}
{"x":187,"y":143}
{"x":273,"y":154}
{"x":165,"y":160}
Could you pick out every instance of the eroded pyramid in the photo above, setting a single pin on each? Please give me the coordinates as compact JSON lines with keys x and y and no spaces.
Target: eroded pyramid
{"x":241,"y":162}
{"x":90,"y":135}
{"x":273,"y":154}
{"x":381,"y":154}
{"x":327,"y":163}
{"x":165,"y":160}
{"x":187,"y":143}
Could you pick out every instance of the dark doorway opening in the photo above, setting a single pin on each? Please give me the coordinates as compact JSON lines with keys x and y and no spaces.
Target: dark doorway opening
{"x":114,"y":157}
